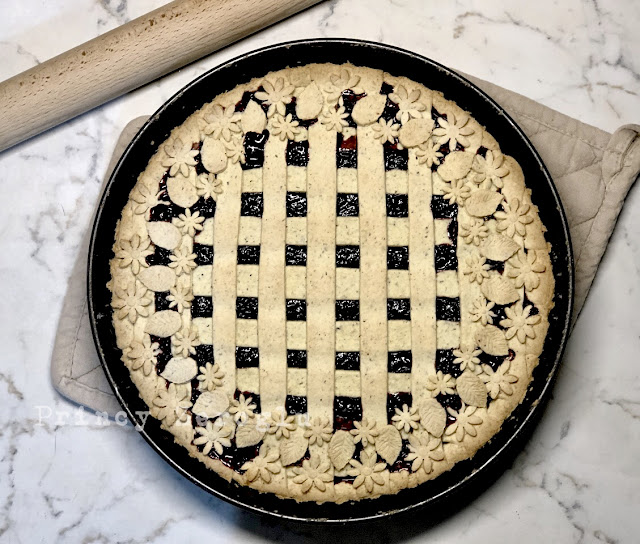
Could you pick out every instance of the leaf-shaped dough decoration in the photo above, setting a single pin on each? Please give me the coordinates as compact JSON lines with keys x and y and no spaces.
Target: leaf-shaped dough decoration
{"x":211,"y":404}
{"x":492,"y":341}
{"x":415,"y":132}
{"x":253,"y":119}
{"x":309,"y":103}
{"x":180,"y":370}
{"x":389,"y":443}
{"x":248,"y":434}
{"x":213,"y":153}
{"x":182,"y":191}
{"x":456,"y":166}
{"x":368,"y":109}
{"x":471,"y":389}
{"x":341,"y":449}
{"x":432,"y":416}
{"x":292,"y":449}
{"x":157,"y":278}
{"x":498,"y":247}
{"x":164,"y":234}
{"x":482,"y":203}
{"x":164,"y":323}
{"x":499,"y":289}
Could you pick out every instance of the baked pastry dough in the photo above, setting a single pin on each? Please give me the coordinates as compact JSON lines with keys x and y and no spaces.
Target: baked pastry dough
{"x":330,"y":284}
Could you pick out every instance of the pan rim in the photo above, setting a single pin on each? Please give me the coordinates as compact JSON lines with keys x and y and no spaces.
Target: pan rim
{"x":288,"y":509}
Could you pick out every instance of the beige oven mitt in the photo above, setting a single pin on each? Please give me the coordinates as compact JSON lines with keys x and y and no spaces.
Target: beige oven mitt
{"x":592,"y":169}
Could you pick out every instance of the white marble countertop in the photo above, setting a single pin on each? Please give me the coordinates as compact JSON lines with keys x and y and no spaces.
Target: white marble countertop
{"x":577,"y":480}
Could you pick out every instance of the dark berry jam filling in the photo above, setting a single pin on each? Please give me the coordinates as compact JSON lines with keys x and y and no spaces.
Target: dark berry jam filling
{"x":390,"y":110}
{"x":296,"y":204}
{"x":254,"y":149}
{"x":160,"y":256}
{"x":347,"y":310}
{"x":398,"y":258}
{"x":398,"y":308}
{"x":251,"y":204}
{"x":348,"y":360}
{"x":450,"y":401}
{"x":204,"y":354}
{"x":442,"y":209}
{"x":296,"y":255}
{"x":296,"y":404}
{"x":248,"y":254}
{"x":247,"y":357}
{"x":206,"y":207}
{"x":346,"y":410}
{"x":498,"y":266}
{"x":204,"y":254}
{"x":201,"y":307}
{"x":399,"y":362}
{"x":445,"y":364}
{"x":346,"y":152}
{"x":401,"y":462}
{"x":448,"y":308}
{"x":347,"y":205}
{"x":394,"y":158}
{"x":164,"y":355}
{"x":397,"y":400}
{"x":297,"y":153}
{"x":445,"y":257}
{"x":348,"y":256}
{"x":161,"y":301}
{"x":296,"y":310}
{"x":247,"y":307}
{"x":297,"y":358}
{"x":397,"y":205}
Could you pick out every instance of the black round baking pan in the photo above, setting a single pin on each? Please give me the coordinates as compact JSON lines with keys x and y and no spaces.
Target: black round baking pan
{"x":467,"y":478}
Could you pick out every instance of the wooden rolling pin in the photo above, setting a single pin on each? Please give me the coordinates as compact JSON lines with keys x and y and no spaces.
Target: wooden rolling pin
{"x":126,"y":58}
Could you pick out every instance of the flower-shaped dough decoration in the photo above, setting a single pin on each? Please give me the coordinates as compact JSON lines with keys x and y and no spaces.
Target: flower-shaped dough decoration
{"x":222,"y":123}
{"x":481,"y":311}
{"x":409,"y":104}
{"x":441,"y":384}
{"x":467,"y":359}
{"x":132,"y":301}
{"x":134,"y":253}
{"x":364,"y":431}
{"x":210,"y":377}
{"x":263,"y":466}
{"x":465,"y":423}
{"x":519,"y":322}
{"x":285,"y":127}
{"x":490,"y":168}
{"x":314,"y":472}
{"x":208,"y":186}
{"x":498,"y":380}
{"x":214,"y":435}
{"x":366,"y":471}
{"x":453,"y":130}
{"x":526,"y":269}
{"x":423,"y":450}
{"x":386,"y":131}
{"x":180,"y":157}
{"x":335,"y":118}
{"x":185,"y":342}
{"x":476,"y":267}
{"x":276,"y":95}
{"x":514,"y":217}
{"x":144,"y":354}
{"x":172,"y":404}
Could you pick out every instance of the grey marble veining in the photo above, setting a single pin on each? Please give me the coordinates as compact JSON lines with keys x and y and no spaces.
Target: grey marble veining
{"x":70,"y":477}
